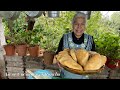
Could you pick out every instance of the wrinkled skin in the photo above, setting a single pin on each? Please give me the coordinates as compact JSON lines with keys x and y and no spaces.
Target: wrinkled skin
{"x":79,"y":26}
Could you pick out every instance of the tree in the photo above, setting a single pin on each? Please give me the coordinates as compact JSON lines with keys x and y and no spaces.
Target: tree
{"x":53,"y":29}
{"x":93,"y":24}
{"x":115,"y":19}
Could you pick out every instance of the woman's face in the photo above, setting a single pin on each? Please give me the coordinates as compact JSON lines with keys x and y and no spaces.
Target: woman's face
{"x":79,"y":26}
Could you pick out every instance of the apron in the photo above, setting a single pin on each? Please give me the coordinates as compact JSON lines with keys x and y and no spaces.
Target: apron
{"x":68,"y":43}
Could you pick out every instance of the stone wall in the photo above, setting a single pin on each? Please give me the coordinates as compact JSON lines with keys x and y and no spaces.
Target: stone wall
{"x":14,"y":67}
{"x":114,"y":74}
{"x":102,"y":75}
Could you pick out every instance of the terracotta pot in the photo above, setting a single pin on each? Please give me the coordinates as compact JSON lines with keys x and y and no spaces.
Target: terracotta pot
{"x":48,"y":57}
{"x":21,"y":50}
{"x":34,"y":51}
{"x":10,"y":50}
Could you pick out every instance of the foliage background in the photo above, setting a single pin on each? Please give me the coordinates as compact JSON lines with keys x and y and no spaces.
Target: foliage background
{"x":50,"y":30}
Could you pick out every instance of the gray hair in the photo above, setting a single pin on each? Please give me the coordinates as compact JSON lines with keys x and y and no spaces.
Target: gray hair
{"x":79,"y":14}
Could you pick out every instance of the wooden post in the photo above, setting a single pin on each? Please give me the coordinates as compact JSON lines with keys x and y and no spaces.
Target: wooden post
{"x":31,"y":22}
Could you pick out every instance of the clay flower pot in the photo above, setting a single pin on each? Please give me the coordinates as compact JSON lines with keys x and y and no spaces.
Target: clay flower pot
{"x":48,"y":57}
{"x":21,"y":50}
{"x":33,"y":51}
{"x":10,"y":50}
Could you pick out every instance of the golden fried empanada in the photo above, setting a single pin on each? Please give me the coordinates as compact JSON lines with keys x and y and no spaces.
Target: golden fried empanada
{"x":94,"y":63}
{"x":104,"y":59}
{"x":67,"y":49}
{"x":64,"y":52}
{"x":73,"y":55}
{"x":92,"y":52}
{"x":72,"y":64}
{"x":69,"y":62}
{"x":82,"y":56}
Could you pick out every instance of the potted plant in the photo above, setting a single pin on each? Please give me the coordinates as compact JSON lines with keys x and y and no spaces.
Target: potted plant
{"x":9,"y":47}
{"x":49,"y":52}
{"x":108,"y":45}
{"x":21,"y":42}
{"x":33,"y":41}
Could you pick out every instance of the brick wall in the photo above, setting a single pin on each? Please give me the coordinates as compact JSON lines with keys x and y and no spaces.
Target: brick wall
{"x":114,"y":74}
{"x":15,"y":68}
{"x":102,"y":75}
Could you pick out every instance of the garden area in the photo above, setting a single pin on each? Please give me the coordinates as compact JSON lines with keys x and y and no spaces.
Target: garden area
{"x":47,"y":32}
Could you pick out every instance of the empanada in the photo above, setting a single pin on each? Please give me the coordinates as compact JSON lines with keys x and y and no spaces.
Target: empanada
{"x":67,"y":49}
{"x":82,"y":56}
{"x":73,"y":55}
{"x":92,"y":52}
{"x":64,"y":52}
{"x":104,"y":59}
{"x":69,"y":62}
{"x":94,"y":63}
{"x":72,"y":64}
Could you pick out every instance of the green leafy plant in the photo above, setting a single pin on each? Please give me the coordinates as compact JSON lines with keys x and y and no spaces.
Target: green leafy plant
{"x":105,"y":36}
{"x":108,"y":44}
{"x":9,"y":38}
{"x":52,"y":29}
{"x":8,"y":42}
{"x":33,"y":38}
{"x":21,"y":37}
{"x":18,"y":35}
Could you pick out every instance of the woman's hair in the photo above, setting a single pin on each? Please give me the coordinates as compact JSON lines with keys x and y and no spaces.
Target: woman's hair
{"x":79,"y":14}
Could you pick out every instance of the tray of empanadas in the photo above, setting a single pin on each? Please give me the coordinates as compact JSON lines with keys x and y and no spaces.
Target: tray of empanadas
{"x":81,"y":61}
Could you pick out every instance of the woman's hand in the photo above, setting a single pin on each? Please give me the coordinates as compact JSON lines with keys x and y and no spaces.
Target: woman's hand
{"x":58,"y":63}
{"x":55,"y":61}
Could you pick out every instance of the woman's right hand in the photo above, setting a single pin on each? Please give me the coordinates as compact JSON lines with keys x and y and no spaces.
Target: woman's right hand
{"x":59,"y":65}
{"x":56,"y":62}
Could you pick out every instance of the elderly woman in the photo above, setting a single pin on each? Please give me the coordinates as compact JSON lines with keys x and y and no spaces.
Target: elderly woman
{"x":76,"y":39}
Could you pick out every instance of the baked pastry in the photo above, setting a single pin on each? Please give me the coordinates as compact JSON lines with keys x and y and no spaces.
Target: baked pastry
{"x":94,"y":63}
{"x":64,"y":52}
{"x":92,"y":52}
{"x":72,"y":64}
{"x":82,"y":56}
{"x":69,"y":62}
{"x":67,"y":49}
{"x":73,"y":55}
{"x":81,"y":59}
{"x":65,"y":59}
{"x":104,"y":59}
